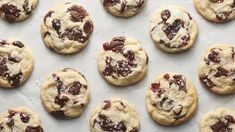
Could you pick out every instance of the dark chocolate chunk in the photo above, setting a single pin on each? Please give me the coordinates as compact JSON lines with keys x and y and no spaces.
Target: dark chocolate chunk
{"x":24,"y":117}
{"x":167,"y":104}
{"x":178,"y":80}
{"x":217,"y":1}
{"x":110,"y":2}
{"x":223,"y":126}
{"x":75,"y":88}
{"x":77,"y":13}
{"x":15,"y":80}
{"x":107,"y":104}
{"x":58,"y":114}
{"x":61,"y":101}
{"x":34,"y":129}
{"x":74,"y":34}
{"x":10,"y":12}
{"x":173,"y":29}
{"x":88,"y":27}
{"x":18,"y":44}
{"x":165,"y":15}
{"x":207,"y":81}
{"x":116,"y":45}
{"x":155,"y":87}
{"x":222,"y":72}
{"x":27,"y":8}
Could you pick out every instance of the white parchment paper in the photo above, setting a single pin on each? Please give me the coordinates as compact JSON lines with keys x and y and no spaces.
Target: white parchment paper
{"x":107,"y":26}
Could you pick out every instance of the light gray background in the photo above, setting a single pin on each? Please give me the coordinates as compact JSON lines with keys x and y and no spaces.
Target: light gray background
{"x":107,"y":26}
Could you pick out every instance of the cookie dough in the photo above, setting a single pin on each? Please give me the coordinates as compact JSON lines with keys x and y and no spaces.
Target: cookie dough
{"x":123,"y":8}
{"x":66,"y":29}
{"x":16,"y":10}
{"x":217,"y":69}
{"x":173,"y":29}
{"x":65,"y":93}
{"x":171,"y":99}
{"x":16,"y":63}
{"x":220,"y":120}
{"x":122,"y":61}
{"x":20,"y":119}
{"x":114,"y":115}
{"x":216,"y":10}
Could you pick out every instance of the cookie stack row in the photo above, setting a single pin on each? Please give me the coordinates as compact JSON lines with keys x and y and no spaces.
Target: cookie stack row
{"x":171,"y":98}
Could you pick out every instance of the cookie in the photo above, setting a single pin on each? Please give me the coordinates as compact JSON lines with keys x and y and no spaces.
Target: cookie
{"x":16,"y":10}
{"x":217,"y":69}
{"x":219,"y":120}
{"x":20,"y":119}
{"x":123,"y":8}
{"x":171,"y":99}
{"x":173,"y":29}
{"x":114,"y":115}
{"x":66,"y":29}
{"x":65,"y":93}
{"x":216,"y":10}
{"x":16,"y":63}
{"x":122,"y":61}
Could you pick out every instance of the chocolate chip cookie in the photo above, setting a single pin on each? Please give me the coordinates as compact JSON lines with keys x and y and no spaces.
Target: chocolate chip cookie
{"x":16,"y":63}
{"x":171,"y":99}
{"x":173,"y":29}
{"x":16,"y":10}
{"x":217,"y":69}
{"x":122,"y":61}
{"x":220,"y":120}
{"x":66,"y":29}
{"x":20,"y":119}
{"x":65,"y":93}
{"x":216,"y":10}
{"x":114,"y":115}
{"x":123,"y":8}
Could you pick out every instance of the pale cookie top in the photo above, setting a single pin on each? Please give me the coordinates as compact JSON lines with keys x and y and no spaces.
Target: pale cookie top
{"x":67,"y":28}
{"x":125,"y":8}
{"x":65,"y":93}
{"x":216,"y":10}
{"x":20,"y":120}
{"x":16,"y":63}
{"x":16,"y":10}
{"x":122,"y":59}
{"x":114,"y":115}
{"x":171,"y":98}
{"x":220,"y":120}
{"x":173,"y":29}
{"x":217,"y":69}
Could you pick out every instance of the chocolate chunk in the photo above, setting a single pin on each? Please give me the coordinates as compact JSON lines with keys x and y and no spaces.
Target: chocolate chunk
{"x":47,"y":15}
{"x":223,"y":126}
{"x":107,"y":104}
{"x":155,"y":87}
{"x":178,"y":80}
{"x":165,"y":15}
{"x":58,"y":114}
{"x":88,"y":27}
{"x":11,"y":123}
{"x":185,"y":40}
{"x":74,"y":34}
{"x":3,"y":67}
{"x":116,"y":45}
{"x":10,"y":11}
{"x":178,"y":112}
{"x":77,"y":13}
{"x":18,"y":44}
{"x":222,"y":72}
{"x":13,"y":59}
{"x":217,"y":1}
{"x":3,"y":42}
{"x":108,"y":125}
{"x":207,"y":81}
{"x":59,"y":83}
{"x":56,"y":25}
{"x":75,"y":88}
{"x":167,"y":104}
{"x":173,"y":29}
{"x":27,"y":9}
{"x":24,"y":117}
{"x":34,"y":129}
{"x":110,"y":2}
{"x":15,"y":80}
{"x":130,"y":55}
{"x":61,"y":101}
{"x":213,"y":56}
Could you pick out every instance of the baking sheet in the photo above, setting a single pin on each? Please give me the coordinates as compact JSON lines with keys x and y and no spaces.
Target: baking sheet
{"x":107,"y":26}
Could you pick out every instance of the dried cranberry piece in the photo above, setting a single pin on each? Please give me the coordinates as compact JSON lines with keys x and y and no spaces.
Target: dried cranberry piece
{"x":10,"y":11}
{"x":75,"y":88}
{"x":18,"y":44}
{"x":77,"y":13}
{"x":166,"y":76}
{"x":34,"y":129}
{"x":165,"y":15}
{"x":24,"y":117}
{"x":61,"y":101}
{"x":155,"y":87}
{"x":173,"y":29}
{"x":107,"y":104}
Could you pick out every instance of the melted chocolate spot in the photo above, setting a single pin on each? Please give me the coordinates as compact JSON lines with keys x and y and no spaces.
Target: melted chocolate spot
{"x":75,"y":88}
{"x":27,"y":9}
{"x":217,"y":1}
{"x":173,"y":29}
{"x":10,"y":12}
{"x":223,"y":126}
{"x":178,"y":80}
{"x":166,"y":14}
{"x":18,"y":44}
{"x":167,"y":104}
{"x":61,"y":101}
{"x":166,"y":76}
{"x":222,"y":72}
{"x":207,"y":82}
{"x":77,"y":13}
{"x":47,"y":15}
{"x":58,"y":114}
{"x":15,"y":79}
{"x":24,"y":117}
{"x":34,"y":129}
{"x":74,"y":35}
